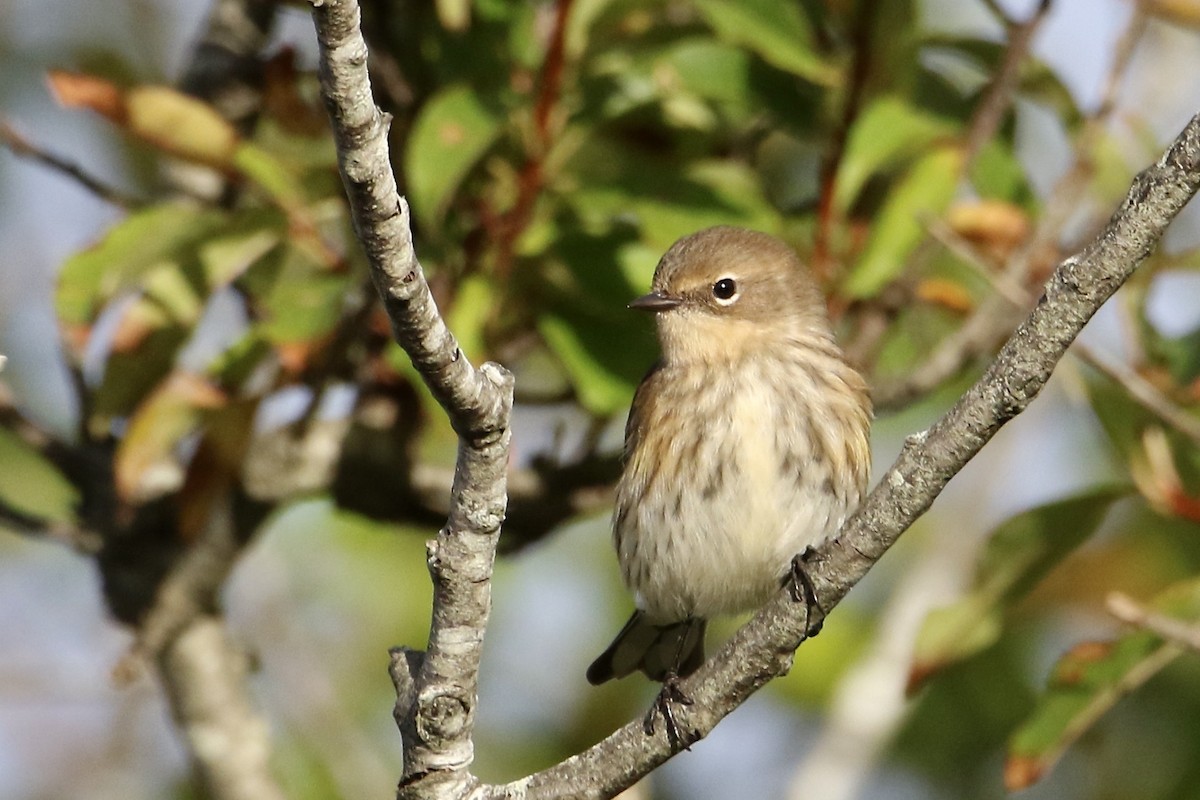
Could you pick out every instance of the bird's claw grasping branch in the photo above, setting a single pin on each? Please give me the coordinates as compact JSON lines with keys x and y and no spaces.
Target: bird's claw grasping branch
{"x":802,"y":589}
{"x":669,"y":696}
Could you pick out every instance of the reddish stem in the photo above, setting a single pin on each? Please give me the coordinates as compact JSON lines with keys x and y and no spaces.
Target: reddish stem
{"x":822,"y":255}
{"x":530,"y":179}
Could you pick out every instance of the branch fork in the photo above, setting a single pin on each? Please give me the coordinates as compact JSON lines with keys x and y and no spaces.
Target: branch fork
{"x":437,"y":690}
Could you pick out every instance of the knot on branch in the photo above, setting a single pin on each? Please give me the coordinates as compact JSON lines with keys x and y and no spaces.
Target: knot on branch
{"x":442,"y":716}
{"x":496,"y":392}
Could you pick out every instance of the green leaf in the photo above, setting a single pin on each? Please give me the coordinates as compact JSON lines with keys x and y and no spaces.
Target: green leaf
{"x":604,"y":348}
{"x":1039,"y":82}
{"x":1181,"y":354}
{"x":1018,"y":554}
{"x":451,"y":133}
{"x":1122,"y":419}
{"x":32,"y":485}
{"x":297,"y":299}
{"x":468,"y":316}
{"x":239,"y":361}
{"x":143,"y":353}
{"x":665,"y":200}
{"x":455,"y":15}
{"x":229,"y":253}
{"x":923,"y":192}
{"x":587,"y":350}
{"x":271,"y":174}
{"x":143,"y":240}
{"x":887,"y":133}
{"x":789,"y":171}
{"x":711,"y":70}
{"x":1088,"y":681}
{"x":998,"y":173}
{"x":778,"y":32}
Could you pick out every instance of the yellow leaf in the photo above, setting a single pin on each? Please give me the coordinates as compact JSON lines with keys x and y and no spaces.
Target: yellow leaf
{"x":181,"y":125}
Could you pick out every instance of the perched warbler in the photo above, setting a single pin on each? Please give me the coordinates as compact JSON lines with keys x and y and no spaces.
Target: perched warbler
{"x":747,"y":443}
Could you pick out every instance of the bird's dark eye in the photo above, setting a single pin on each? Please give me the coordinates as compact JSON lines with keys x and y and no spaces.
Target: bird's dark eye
{"x":725,"y":289}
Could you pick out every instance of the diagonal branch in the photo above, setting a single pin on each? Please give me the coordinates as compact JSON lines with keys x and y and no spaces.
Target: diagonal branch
{"x":763,"y":648}
{"x":23,"y":147}
{"x":999,"y":96}
{"x":1171,"y":629}
{"x":474,"y":398}
{"x":437,"y":691}
{"x":1142,"y":392}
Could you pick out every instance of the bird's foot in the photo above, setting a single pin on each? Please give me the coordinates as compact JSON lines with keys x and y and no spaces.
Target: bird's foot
{"x":669,"y":695}
{"x":802,"y":589}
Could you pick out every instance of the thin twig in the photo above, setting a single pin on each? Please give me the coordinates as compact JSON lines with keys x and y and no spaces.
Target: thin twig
{"x":1129,"y":611}
{"x":947,"y":237}
{"x":509,"y":227}
{"x":1142,"y":392}
{"x":21,"y":146}
{"x":999,"y":95}
{"x":983,"y":331}
{"x":860,"y":67}
{"x":763,"y":648}
{"x":998,"y":12}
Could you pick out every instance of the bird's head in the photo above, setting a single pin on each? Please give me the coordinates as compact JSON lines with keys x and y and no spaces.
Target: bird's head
{"x":721,"y":293}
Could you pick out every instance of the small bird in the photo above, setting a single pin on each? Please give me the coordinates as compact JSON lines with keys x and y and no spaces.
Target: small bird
{"x":746,"y":444}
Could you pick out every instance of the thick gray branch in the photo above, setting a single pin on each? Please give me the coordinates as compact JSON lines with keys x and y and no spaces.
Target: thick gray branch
{"x":229,"y":744}
{"x":437,"y":692}
{"x":763,"y":648}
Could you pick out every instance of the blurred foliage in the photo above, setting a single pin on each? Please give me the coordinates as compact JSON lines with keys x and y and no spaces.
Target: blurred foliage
{"x":550,"y":152}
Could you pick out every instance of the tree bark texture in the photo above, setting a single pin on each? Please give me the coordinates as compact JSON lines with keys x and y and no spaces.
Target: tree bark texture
{"x":437,"y":690}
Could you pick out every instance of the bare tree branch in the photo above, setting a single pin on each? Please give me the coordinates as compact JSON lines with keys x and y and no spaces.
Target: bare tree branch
{"x":1172,"y":629}
{"x":21,"y":146}
{"x":228,"y":742}
{"x":437,"y":693}
{"x":1142,"y":392}
{"x":764,"y":647}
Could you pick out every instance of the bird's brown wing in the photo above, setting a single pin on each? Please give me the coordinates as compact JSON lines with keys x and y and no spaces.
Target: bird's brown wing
{"x":640,"y":410}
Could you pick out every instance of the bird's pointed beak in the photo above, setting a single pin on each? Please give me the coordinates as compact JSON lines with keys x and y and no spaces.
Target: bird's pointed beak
{"x":655,"y":301}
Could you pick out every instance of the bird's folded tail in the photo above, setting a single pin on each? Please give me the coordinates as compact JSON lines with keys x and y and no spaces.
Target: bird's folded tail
{"x":654,"y":649}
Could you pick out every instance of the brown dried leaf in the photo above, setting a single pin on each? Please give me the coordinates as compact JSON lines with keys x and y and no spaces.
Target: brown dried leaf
{"x":994,"y":226}
{"x":946,"y":293}
{"x":74,"y":90}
